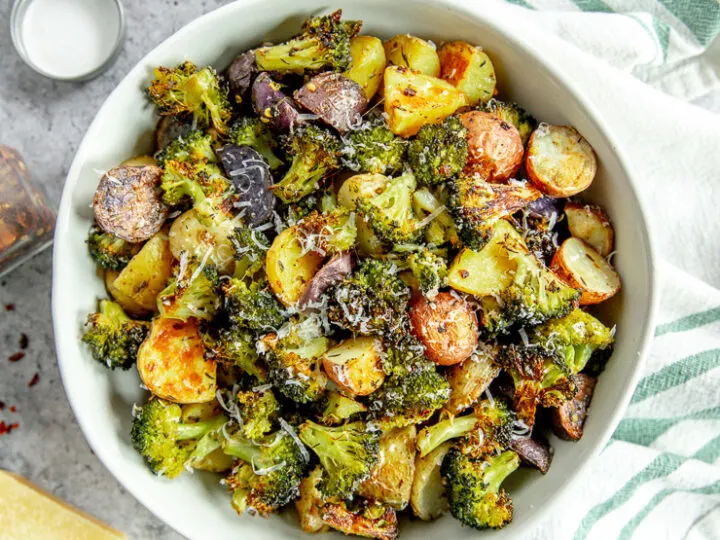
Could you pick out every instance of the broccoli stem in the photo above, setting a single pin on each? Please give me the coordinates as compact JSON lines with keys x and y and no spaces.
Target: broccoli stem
{"x":242,"y":448}
{"x":282,"y":57}
{"x":114,"y":312}
{"x":198,"y":429}
{"x":432,"y":437}
{"x":499,"y":469}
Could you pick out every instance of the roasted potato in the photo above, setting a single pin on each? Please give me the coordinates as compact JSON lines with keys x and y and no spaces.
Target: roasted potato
{"x":559,"y":161}
{"x":428,"y":498}
{"x":414,"y":53}
{"x":371,"y":520}
{"x":189,"y":234}
{"x":590,"y":223}
{"x":359,"y":186}
{"x":368,"y":64}
{"x":568,"y":420}
{"x":355,"y":365}
{"x":337,"y":100}
{"x":392,"y":476}
{"x":130,"y":306}
{"x":583,"y":268}
{"x":532,"y":452}
{"x":240,"y":75}
{"x":447,"y":326}
{"x":290,"y":267}
{"x":331,"y":273}
{"x":128,"y":202}
{"x":309,"y":504}
{"x":468,"y":68}
{"x":172,"y":364}
{"x":413,"y":99}
{"x":469,"y":379}
{"x":271,"y":104}
{"x":495,"y":149}
{"x":139,"y":161}
{"x":146,"y":274}
{"x":170,"y":128}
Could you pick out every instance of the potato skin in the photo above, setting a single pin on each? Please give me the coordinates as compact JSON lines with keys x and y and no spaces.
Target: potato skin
{"x":447,"y":326}
{"x":331,"y":273}
{"x":561,"y":265}
{"x":338,"y":100}
{"x":590,"y":223}
{"x":355,"y":365}
{"x":172,"y":364}
{"x":468,"y":68}
{"x":368,"y":64}
{"x":569,"y":419}
{"x":495,"y":147}
{"x":130,"y":306}
{"x":469,"y":379}
{"x":414,"y":53}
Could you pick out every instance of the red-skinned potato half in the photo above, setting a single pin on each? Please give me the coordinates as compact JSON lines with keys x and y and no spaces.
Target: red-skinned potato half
{"x":559,"y":161}
{"x":590,"y":223}
{"x":495,"y":146}
{"x":583,"y":268}
{"x":446,"y":326}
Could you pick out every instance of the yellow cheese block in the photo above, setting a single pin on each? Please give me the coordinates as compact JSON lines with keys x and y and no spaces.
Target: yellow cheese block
{"x":29,"y":513}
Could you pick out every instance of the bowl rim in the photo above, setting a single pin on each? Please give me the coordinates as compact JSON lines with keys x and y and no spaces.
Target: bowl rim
{"x":474,"y":13}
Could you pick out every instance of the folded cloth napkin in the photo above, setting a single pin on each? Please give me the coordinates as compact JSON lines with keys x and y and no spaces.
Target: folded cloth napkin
{"x":659,"y":477}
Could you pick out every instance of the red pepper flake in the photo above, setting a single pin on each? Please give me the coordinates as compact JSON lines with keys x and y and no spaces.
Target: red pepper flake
{"x":23,"y":341}
{"x":9,"y":307}
{"x":13,"y":408}
{"x":35,"y":379}
{"x":7,"y":428}
{"x":16,"y":357}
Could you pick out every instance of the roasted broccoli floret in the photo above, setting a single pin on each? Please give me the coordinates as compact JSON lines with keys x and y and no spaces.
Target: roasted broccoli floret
{"x":539,"y":235}
{"x":293,"y":357}
{"x":250,"y":247}
{"x":254,"y":133}
{"x":405,"y":355}
{"x":347,"y":454}
{"x":573,"y":339}
{"x":196,"y":147}
{"x":390,"y":213}
{"x":259,"y":411}
{"x":441,"y":229}
{"x":371,"y":300}
{"x":323,"y":43}
{"x":473,"y":488}
{"x":201,"y":183}
{"x":186,"y":89}
{"x":166,"y":443}
{"x":430,"y":270}
{"x":513,"y":114}
{"x":252,"y":306}
{"x":234,"y":346}
{"x":329,"y":232}
{"x":439,"y":151}
{"x":314,"y":152}
{"x":109,"y":251}
{"x":374,"y":149}
{"x":337,"y":408}
{"x":487,"y":430}
{"x":539,"y":379}
{"x":194,"y":292}
{"x":113,"y":337}
{"x":270,"y":474}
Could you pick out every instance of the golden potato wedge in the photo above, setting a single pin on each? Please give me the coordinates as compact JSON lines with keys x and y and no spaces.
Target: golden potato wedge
{"x":289,"y":267}
{"x":559,"y":161}
{"x":139,"y":161}
{"x":468,"y":68}
{"x":130,"y":306}
{"x":191,"y":235}
{"x":414,"y":53}
{"x":413,"y":99}
{"x":172,"y":365}
{"x":590,"y":223}
{"x":447,"y":326}
{"x":495,"y":148}
{"x":583,"y":268}
{"x":427,"y":497}
{"x":471,"y":378}
{"x":368,"y":63}
{"x":147,"y":273}
{"x":392,"y":476}
{"x":359,"y":186}
{"x":371,"y":520}
{"x":309,"y":504}
{"x":355,"y":365}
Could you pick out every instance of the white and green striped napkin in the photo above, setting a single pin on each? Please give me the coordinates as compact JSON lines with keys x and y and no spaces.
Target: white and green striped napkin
{"x":659,"y":477}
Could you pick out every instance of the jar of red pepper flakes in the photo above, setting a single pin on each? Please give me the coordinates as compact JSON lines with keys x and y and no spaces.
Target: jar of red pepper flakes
{"x":26,"y":219}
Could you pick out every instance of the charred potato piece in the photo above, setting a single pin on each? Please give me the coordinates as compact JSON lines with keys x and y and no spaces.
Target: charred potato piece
{"x":371,"y":520}
{"x":338,"y":100}
{"x":130,"y":306}
{"x":368,"y":64}
{"x":590,"y":223}
{"x":172,"y":364}
{"x":191,"y":235}
{"x":309,"y":504}
{"x":495,"y":149}
{"x":413,"y":99}
{"x":532,"y":452}
{"x":469,"y":379}
{"x":568,"y":420}
{"x":583,"y":268}
{"x":273,"y":106}
{"x":392,"y":476}
{"x":355,"y":365}
{"x":428,"y":498}
{"x":170,"y":128}
{"x":128,"y":202}
{"x":468,"y":68}
{"x":414,"y":53}
{"x":250,"y":175}
{"x":240,"y":75}
{"x":146,"y":274}
{"x":289,"y":267}
{"x":330,"y":274}
{"x":559,"y":161}
{"x":447,"y":326}
{"x":139,"y":161}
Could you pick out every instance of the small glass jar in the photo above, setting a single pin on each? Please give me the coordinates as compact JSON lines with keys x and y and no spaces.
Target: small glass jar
{"x":26,"y":219}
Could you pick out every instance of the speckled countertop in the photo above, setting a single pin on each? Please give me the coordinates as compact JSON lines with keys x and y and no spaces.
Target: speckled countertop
{"x":45,"y":121}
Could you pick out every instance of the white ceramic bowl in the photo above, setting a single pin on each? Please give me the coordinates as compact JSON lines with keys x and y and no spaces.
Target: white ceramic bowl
{"x":195,"y":505}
